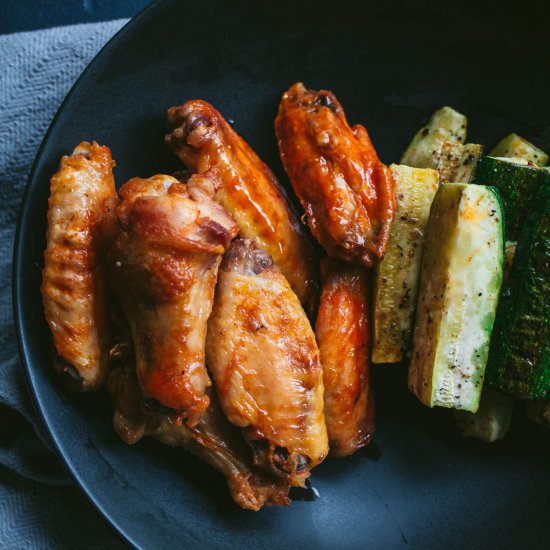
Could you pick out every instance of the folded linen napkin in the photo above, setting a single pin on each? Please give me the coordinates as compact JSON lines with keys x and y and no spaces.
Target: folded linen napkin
{"x":39,"y":507}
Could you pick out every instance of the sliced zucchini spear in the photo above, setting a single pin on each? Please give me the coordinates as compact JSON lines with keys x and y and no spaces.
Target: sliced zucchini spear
{"x":519,"y":362}
{"x":492,"y":420}
{"x":517,"y":185}
{"x":516,"y":146}
{"x":458,"y":161}
{"x":398,"y":274}
{"x":445,"y":125}
{"x":460,"y":280}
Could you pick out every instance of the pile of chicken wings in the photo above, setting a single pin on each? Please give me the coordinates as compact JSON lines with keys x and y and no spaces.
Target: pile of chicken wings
{"x":203,"y":304}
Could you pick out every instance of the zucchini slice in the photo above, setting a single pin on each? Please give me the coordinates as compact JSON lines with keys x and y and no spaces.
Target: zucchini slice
{"x":492,"y":420}
{"x":516,"y":146}
{"x":398,"y":274}
{"x":460,"y":280}
{"x":457,"y":161}
{"x":519,"y":362}
{"x":517,"y":185}
{"x":445,"y":125}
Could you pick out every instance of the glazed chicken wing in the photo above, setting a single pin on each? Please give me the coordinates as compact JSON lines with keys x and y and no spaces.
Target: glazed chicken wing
{"x":213,"y":440}
{"x":163,"y":263}
{"x":82,"y":194}
{"x":346,"y":191}
{"x":249,"y":191}
{"x":342,"y":331}
{"x":262,"y":354}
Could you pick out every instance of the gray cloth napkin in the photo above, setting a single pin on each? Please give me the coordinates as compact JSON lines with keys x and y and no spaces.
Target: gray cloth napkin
{"x":39,"y":507}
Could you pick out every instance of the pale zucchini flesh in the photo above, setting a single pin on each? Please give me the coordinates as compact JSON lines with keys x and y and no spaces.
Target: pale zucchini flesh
{"x":457,"y":161}
{"x":398,"y":274}
{"x":516,"y":146}
{"x":492,"y":420}
{"x":445,"y":125}
{"x":461,"y":275}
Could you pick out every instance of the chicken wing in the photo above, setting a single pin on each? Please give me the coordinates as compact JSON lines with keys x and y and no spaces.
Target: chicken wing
{"x":250,"y":192}
{"x":163,"y":264}
{"x":262,"y":354}
{"x":213,"y":440}
{"x":82,"y":194}
{"x":346,"y":191}
{"x":342,"y":331}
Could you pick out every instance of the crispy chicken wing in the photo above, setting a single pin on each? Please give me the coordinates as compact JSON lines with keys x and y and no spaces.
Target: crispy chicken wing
{"x":262,"y":354}
{"x":82,"y":193}
{"x":342,"y":331}
{"x":346,"y":191}
{"x":163,"y":264}
{"x":213,"y":440}
{"x":249,"y":191}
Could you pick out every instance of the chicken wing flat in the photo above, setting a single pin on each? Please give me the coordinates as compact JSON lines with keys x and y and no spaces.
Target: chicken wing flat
{"x":262,"y":354}
{"x":346,"y":191}
{"x":213,"y":440}
{"x":163,"y":264}
{"x":249,"y":191}
{"x":82,"y":193}
{"x":342,"y":331}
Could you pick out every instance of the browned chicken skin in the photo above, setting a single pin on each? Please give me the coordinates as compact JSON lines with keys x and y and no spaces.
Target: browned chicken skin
{"x":82,"y":193}
{"x":262,"y":354}
{"x":342,"y":331}
{"x":249,"y":191}
{"x":163,"y":263}
{"x":213,"y":440}
{"x":346,"y":191}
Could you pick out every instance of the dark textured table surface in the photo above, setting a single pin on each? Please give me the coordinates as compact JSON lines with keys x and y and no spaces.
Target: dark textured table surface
{"x":28,"y":15}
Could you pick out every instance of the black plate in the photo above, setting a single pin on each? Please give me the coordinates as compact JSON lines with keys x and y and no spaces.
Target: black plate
{"x":390,"y":68}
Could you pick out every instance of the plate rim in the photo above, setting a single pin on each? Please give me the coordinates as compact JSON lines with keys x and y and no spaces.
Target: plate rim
{"x":21,"y":332}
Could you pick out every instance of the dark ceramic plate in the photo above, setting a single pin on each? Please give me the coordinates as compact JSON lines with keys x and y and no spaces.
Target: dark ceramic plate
{"x":390,"y":68}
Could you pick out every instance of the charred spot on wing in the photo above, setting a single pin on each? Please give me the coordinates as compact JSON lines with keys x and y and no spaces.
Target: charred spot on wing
{"x":70,"y":375}
{"x":153,"y":406}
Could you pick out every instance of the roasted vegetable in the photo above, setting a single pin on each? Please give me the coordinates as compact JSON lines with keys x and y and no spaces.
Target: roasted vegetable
{"x":519,"y":362}
{"x":398,"y":274}
{"x":492,"y":420}
{"x":460,"y":279}
{"x":538,"y":411}
{"x":445,"y":125}
{"x":516,"y":146}
{"x":517,"y":185}
{"x":458,"y":161}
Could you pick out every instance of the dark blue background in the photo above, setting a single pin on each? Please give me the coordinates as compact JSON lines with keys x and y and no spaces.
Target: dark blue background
{"x":27,"y":15}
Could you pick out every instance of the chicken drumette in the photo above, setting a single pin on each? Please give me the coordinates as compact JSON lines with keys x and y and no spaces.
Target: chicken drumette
{"x":346,"y":191}
{"x":342,"y":331}
{"x":249,"y":191}
{"x":213,"y":440}
{"x":262,"y":353}
{"x":163,"y":261}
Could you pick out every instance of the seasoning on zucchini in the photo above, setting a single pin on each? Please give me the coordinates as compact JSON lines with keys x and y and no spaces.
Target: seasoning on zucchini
{"x":492,"y":420}
{"x":461,"y":276}
{"x":519,"y":362}
{"x":458,"y":161}
{"x":538,"y":411}
{"x":516,"y":146}
{"x":517,"y":185}
{"x":398,"y":274}
{"x":445,"y":125}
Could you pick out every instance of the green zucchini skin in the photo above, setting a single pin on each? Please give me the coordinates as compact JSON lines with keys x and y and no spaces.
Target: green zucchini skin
{"x":517,"y":185}
{"x":519,"y":360}
{"x":460,"y":281}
